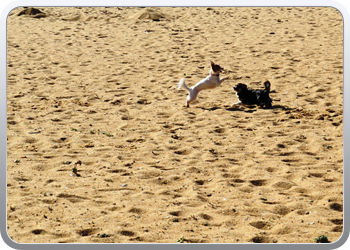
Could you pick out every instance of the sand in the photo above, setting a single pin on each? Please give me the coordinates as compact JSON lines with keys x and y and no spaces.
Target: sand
{"x":101,"y":149}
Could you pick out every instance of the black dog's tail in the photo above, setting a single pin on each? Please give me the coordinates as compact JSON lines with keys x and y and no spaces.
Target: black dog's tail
{"x":267,"y":86}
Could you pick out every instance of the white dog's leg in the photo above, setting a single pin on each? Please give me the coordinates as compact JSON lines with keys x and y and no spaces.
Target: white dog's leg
{"x":221,"y":80}
{"x":192,"y":95}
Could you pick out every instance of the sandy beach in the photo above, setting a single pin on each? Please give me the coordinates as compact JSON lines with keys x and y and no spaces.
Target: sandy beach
{"x":100,"y":148}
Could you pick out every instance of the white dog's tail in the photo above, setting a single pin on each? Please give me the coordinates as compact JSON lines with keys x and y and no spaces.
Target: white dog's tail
{"x":182,"y":85}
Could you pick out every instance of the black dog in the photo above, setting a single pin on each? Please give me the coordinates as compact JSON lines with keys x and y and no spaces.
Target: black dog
{"x":253,"y":96}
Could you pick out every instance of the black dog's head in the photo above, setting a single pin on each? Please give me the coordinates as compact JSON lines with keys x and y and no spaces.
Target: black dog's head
{"x":240,"y":87}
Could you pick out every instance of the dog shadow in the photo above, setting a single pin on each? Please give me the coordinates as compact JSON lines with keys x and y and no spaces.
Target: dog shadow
{"x":242,"y":110}
{"x":210,"y":109}
{"x":247,"y":108}
{"x":254,"y":108}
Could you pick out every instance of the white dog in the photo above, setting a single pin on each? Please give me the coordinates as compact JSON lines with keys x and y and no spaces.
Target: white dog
{"x":210,"y":82}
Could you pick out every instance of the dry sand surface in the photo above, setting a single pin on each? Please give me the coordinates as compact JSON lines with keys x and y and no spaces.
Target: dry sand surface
{"x":101,"y":149}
